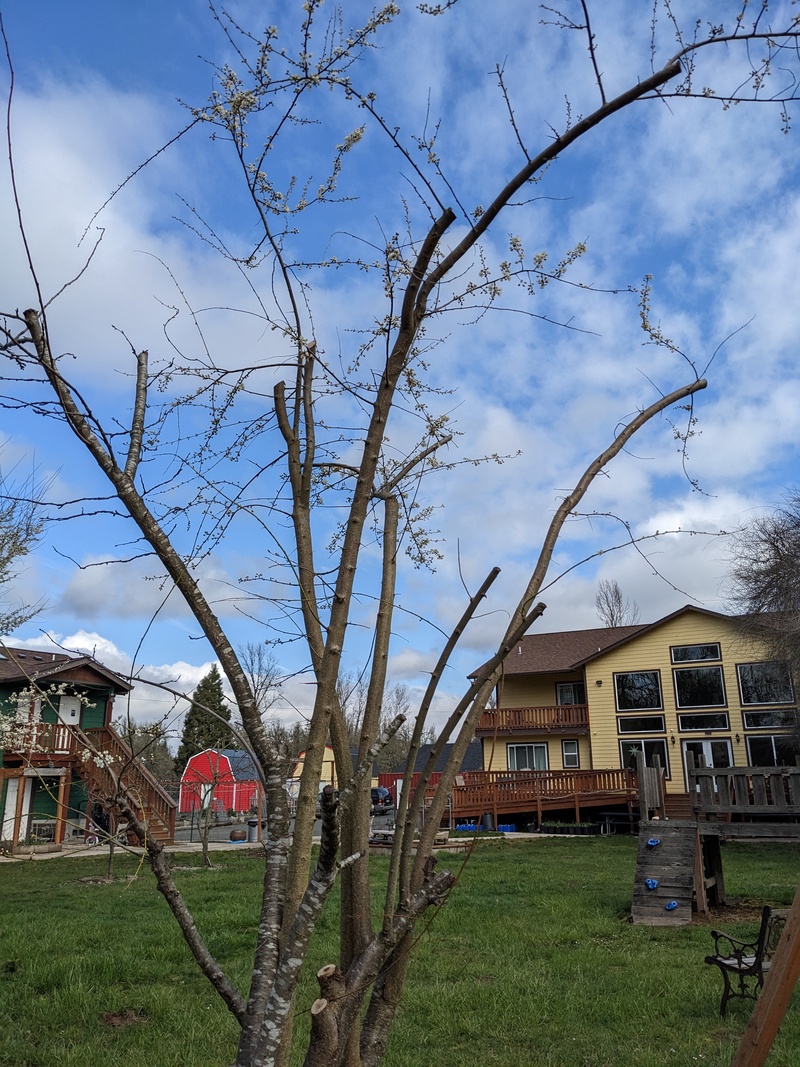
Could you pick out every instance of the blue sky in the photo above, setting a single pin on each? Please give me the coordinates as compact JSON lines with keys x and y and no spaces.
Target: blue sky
{"x":703,"y":199}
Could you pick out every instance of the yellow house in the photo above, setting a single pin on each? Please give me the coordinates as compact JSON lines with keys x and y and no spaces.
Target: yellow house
{"x":689,"y":683}
{"x":328,"y":770}
{"x":327,"y":774}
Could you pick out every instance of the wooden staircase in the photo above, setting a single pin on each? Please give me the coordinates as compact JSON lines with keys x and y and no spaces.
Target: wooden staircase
{"x":111,"y":759}
{"x":678,"y":806}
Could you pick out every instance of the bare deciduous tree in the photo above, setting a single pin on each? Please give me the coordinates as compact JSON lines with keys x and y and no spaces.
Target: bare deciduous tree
{"x":148,"y":742}
{"x":20,"y":527}
{"x":612,"y":608}
{"x":264,"y":674}
{"x":765,"y":587}
{"x":765,"y":574}
{"x":327,"y":426}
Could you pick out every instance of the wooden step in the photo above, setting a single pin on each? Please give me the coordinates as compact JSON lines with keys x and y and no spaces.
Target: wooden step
{"x":678,"y":806}
{"x":156,"y":806}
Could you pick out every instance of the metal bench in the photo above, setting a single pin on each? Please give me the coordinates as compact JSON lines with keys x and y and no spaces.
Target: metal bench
{"x":743,"y":964}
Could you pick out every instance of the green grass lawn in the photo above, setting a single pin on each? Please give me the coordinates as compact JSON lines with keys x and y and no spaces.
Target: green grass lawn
{"x":531,"y":962}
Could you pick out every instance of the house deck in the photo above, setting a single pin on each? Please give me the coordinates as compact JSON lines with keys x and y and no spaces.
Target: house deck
{"x":502,"y":793}
{"x":569,"y":718}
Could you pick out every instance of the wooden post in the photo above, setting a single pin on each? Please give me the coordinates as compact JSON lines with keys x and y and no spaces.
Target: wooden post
{"x":700,"y":897}
{"x":775,"y":997}
{"x":61,"y":810}
{"x":22,"y":782}
{"x":712,"y":861}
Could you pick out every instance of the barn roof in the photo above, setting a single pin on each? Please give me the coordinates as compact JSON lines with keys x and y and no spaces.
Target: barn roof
{"x":243,"y":766}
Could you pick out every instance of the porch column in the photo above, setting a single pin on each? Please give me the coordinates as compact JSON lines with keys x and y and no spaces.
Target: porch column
{"x":13,"y":779}
{"x":61,"y":806}
{"x":22,"y":788}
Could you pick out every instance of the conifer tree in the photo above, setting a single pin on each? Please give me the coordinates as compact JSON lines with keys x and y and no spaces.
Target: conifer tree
{"x":204,"y":726}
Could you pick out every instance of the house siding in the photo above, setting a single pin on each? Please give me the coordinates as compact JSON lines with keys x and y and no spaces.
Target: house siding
{"x":534,"y":691}
{"x":648,"y":650}
{"x":93,"y":714}
{"x":651,"y":652}
{"x":495,"y":751}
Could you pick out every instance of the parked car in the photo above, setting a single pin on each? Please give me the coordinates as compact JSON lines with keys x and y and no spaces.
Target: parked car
{"x":381,"y":799}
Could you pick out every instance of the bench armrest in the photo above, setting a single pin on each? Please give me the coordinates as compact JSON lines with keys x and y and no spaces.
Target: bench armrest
{"x":727,"y":947}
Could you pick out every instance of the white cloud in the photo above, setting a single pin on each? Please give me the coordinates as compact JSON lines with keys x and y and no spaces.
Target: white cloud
{"x":701,"y":198}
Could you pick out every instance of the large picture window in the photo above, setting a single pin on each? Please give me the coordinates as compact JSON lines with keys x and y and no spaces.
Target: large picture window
{"x":775,"y":751}
{"x":650,"y":746}
{"x":527,"y":757}
{"x":699,"y":687}
{"x":765,"y":683}
{"x":638,"y":691}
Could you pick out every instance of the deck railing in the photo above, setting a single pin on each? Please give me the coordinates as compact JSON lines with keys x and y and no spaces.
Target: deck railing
{"x":745,"y":790}
{"x":560,"y":717}
{"x":31,"y":739}
{"x":111,"y":756}
{"x":508,"y":791}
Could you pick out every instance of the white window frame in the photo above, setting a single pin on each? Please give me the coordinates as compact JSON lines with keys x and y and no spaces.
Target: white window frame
{"x":695,"y":659}
{"x":755,"y":720}
{"x":760,"y":738}
{"x":645,"y":742}
{"x":626,"y":674}
{"x":764,"y":703}
{"x":623,"y":720}
{"x":540,"y":745}
{"x":685,"y":727}
{"x":576,"y":755}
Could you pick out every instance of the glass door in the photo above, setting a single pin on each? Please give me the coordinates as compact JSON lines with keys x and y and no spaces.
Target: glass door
{"x":707,"y":753}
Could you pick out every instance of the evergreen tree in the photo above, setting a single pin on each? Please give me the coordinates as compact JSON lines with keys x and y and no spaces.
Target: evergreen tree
{"x":204,"y":726}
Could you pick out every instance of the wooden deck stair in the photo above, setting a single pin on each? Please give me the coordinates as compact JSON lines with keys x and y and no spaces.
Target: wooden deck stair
{"x":678,"y":806}
{"x":156,"y":806}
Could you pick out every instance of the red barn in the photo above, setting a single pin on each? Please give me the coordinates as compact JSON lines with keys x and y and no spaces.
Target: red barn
{"x":228,"y":779}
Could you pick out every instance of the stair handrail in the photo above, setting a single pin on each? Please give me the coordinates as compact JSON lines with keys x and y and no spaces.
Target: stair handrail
{"x":152,"y":793}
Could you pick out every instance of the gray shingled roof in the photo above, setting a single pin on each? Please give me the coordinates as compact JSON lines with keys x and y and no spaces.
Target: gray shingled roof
{"x":472,"y":761}
{"x":31,"y":664}
{"x":571,"y":649}
{"x":566,"y":651}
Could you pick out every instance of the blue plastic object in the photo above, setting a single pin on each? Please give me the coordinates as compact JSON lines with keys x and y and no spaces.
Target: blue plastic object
{"x":651,"y":883}
{"x":653,"y":842}
{"x":671,"y":906}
